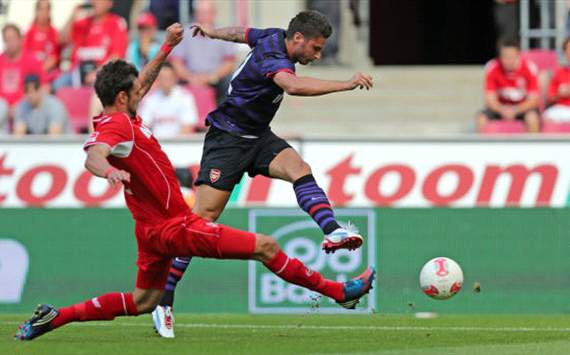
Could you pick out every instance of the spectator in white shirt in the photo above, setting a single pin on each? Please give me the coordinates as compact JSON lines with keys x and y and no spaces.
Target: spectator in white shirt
{"x":170,"y":110}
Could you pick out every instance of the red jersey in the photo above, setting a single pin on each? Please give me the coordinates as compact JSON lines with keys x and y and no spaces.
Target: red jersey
{"x":561,"y":77}
{"x":42,"y":42}
{"x":100,"y":40}
{"x":511,"y":87}
{"x":153,"y":194}
{"x":13,"y":72}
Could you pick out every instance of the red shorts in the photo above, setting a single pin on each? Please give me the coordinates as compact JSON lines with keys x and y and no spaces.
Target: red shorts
{"x":185,"y":236}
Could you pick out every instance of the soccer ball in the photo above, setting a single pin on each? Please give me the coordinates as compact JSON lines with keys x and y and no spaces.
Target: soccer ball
{"x":441,"y":278}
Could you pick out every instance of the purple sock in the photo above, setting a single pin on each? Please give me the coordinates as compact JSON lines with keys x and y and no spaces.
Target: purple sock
{"x":312,"y":199}
{"x":177,"y":269}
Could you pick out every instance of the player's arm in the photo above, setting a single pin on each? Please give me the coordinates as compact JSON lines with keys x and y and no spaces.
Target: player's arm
{"x":174,"y":34}
{"x":530,"y":102}
{"x":230,"y":34}
{"x":98,"y":165}
{"x":308,"y":86}
{"x":492,"y":101}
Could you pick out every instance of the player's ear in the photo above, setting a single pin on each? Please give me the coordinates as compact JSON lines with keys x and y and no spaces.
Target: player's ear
{"x":122,"y":98}
{"x":298,"y":37}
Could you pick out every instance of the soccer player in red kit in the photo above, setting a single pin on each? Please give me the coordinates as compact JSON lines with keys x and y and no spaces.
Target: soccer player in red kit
{"x":124,"y":151}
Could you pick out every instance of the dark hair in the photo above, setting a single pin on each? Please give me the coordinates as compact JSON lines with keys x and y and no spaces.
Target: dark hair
{"x":167,"y":65}
{"x":508,"y":42}
{"x":565,"y":43}
{"x":114,"y":77}
{"x":11,"y":26}
{"x":311,"y":24}
{"x":32,"y":80}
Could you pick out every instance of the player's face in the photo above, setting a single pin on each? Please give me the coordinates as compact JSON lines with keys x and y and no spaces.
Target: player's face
{"x":310,"y":49}
{"x":43,"y":11}
{"x":133,"y":98}
{"x":12,"y":41}
{"x":166,"y":79}
{"x":510,"y":58}
{"x":33,"y":95}
{"x":101,"y":7}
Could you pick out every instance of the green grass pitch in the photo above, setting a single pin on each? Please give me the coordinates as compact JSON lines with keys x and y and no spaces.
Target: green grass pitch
{"x":310,"y":333}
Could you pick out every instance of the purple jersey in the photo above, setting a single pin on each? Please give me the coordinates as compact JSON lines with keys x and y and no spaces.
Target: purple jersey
{"x":253,"y":97}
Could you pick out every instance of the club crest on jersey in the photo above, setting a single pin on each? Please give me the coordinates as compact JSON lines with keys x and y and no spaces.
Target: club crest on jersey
{"x":146,"y":131}
{"x":215,"y":175}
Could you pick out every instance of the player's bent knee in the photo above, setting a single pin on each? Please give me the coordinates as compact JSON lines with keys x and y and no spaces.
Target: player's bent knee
{"x":146,"y":300}
{"x":265,"y":248}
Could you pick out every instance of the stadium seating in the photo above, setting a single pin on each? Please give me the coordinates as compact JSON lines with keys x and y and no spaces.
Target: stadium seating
{"x":76,"y":101}
{"x":205,"y":98}
{"x":504,"y":127}
{"x":553,"y":127}
{"x":545,"y":60}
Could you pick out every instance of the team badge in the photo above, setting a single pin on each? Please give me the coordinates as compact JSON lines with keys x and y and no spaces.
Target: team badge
{"x":215,"y":175}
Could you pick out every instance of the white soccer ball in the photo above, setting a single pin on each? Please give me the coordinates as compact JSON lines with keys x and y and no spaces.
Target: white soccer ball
{"x":441,"y":278}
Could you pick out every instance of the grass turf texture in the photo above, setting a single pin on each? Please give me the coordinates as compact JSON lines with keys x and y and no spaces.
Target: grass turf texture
{"x":311,"y":333}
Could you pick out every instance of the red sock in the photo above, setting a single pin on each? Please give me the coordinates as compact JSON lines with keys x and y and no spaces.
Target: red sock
{"x":294,"y":271}
{"x":104,"y":307}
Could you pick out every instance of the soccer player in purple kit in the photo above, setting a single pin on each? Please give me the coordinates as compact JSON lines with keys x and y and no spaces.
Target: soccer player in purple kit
{"x":240,"y":140}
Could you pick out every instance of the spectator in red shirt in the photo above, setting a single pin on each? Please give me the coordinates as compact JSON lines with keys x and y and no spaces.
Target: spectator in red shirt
{"x":511,"y":89}
{"x":559,"y":91}
{"x":15,"y":65}
{"x":96,"y":38}
{"x":41,"y":38}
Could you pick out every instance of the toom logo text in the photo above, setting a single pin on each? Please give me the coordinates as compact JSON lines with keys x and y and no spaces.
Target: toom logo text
{"x":353,"y":174}
{"x":300,"y":238}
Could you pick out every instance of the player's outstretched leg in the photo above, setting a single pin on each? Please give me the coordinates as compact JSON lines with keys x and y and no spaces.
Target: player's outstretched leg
{"x":347,"y":294}
{"x":312,"y":199}
{"x":104,"y":307}
{"x":162,"y":316}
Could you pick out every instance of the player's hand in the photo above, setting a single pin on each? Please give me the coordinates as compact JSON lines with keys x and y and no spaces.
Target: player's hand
{"x":174,"y":34}
{"x":361,"y":81}
{"x":564,"y":90}
{"x":116,"y":177}
{"x":508,"y":113}
{"x":199,"y":30}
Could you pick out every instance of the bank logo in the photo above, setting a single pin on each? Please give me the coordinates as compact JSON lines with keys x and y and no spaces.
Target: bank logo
{"x":301,"y":238}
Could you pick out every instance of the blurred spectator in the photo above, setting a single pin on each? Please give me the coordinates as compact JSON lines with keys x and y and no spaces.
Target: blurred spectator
{"x":96,"y":38}
{"x":511,"y":88}
{"x":123,"y":8}
{"x":507,"y":18}
{"x":170,"y":110}
{"x":41,"y":38}
{"x":15,"y":64}
{"x":39,"y":113}
{"x":144,"y":47}
{"x":559,"y":91}
{"x":4,"y":126}
{"x":201,"y":61}
{"x":167,"y":11}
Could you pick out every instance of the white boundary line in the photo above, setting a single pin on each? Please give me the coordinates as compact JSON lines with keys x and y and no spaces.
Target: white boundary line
{"x":328,"y":327}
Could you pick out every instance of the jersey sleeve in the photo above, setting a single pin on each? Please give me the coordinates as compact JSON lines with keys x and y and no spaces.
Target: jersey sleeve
{"x":554,"y":85}
{"x":120,"y":40}
{"x":114,"y":131}
{"x":252,"y":35}
{"x":272,"y":66}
